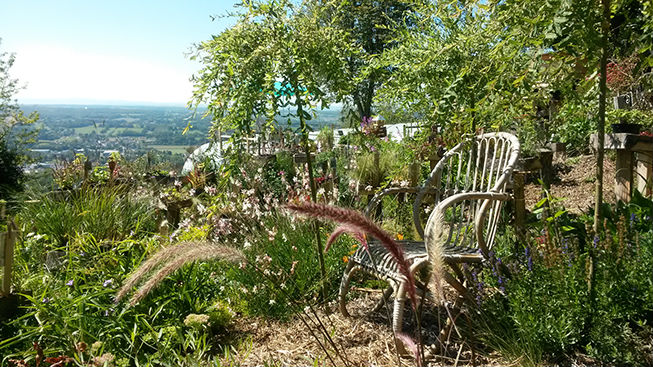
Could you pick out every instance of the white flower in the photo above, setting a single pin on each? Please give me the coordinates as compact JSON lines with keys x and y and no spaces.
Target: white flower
{"x":271,"y":302}
{"x":247,"y":245}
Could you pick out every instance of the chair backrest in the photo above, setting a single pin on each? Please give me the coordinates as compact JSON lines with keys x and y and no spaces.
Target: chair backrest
{"x":480,"y":164}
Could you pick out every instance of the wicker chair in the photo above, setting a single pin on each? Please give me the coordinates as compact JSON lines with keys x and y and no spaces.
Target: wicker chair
{"x":469,"y":187}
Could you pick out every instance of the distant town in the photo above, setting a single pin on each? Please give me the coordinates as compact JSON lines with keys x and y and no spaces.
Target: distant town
{"x":97,"y":131}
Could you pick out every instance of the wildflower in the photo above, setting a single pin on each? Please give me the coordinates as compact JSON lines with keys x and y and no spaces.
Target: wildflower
{"x":45,"y":300}
{"x":596,"y":241}
{"x":191,"y":192}
{"x":247,"y":245}
{"x":210,"y":190}
{"x":272,"y":302}
{"x":107,"y":283}
{"x":177,"y":183}
{"x":70,"y":283}
{"x":400,"y":236}
{"x":345,"y":259}
{"x":294,"y":248}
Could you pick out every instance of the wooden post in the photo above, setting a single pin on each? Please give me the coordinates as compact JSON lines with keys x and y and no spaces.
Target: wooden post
{"x":546,"y":172}
{"x":623,"y":175}
{"x":8,"y":250}
{"x":414,"y":169}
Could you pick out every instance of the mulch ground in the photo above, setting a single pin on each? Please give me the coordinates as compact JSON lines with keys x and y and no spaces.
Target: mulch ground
{"x":573,"y":183}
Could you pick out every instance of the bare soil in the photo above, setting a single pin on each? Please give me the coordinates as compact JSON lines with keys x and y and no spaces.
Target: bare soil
{"x":574,"y":183}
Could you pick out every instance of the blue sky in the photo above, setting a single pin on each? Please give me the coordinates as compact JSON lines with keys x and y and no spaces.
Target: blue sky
{"x":87,"y":51}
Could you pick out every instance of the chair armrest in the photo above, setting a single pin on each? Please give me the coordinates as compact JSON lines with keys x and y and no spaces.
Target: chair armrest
{"x":434,"y":230}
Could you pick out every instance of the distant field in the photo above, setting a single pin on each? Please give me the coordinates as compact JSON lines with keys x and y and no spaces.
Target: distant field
{"x":172,"y":148}
{"x":85,"y":129}
{"x":114,"y":131}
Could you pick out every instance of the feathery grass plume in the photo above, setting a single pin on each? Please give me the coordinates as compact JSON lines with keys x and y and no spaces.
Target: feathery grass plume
{"x":174,"y":258}
{"x":360,"y":237}
{"x":162,"y":256}
{"x":435,"y":237}
{"x":357,"y":224}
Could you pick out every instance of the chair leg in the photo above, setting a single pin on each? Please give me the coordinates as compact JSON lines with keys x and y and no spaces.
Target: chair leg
{"x":458,"y":286}
{"x":398,"y":311}
{"x":384,"y":299}
{"x":344,"y":288}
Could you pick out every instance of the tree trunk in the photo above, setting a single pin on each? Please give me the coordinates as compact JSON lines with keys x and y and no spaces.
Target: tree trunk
{"x":605,"y":30}
{"x":316,"y":224}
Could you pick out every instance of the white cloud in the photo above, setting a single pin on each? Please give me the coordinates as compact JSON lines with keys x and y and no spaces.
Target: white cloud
{"x":56,"y":73}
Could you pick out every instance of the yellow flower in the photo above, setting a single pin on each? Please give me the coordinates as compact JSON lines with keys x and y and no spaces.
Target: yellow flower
{"x":400,"y":236}
{"x":345,"y":259}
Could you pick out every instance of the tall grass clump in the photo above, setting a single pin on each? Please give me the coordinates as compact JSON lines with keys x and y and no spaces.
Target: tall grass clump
{"x":105,"y":212}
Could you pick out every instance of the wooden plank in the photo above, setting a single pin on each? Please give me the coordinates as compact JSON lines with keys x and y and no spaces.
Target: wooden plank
{"x":644,"y":173}
{"x":623,"y":175}
{"x":637,"y":143}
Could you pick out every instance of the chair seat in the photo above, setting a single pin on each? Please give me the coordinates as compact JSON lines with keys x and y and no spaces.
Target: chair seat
{"x":385,"y":267}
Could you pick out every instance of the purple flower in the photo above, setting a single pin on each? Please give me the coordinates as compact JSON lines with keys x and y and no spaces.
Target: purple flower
{"x":70,"y":283}
{"x":596,"y":241}
{"x":45,"y":300}
{"x":107,"y":283}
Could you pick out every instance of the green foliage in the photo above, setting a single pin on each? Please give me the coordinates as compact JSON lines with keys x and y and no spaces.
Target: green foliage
{"x":14,"y":131}
{"x":73,"y":302}
{"x":104,"y":212}
{"x":283,"y":273}
{"x":545,"y":311}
